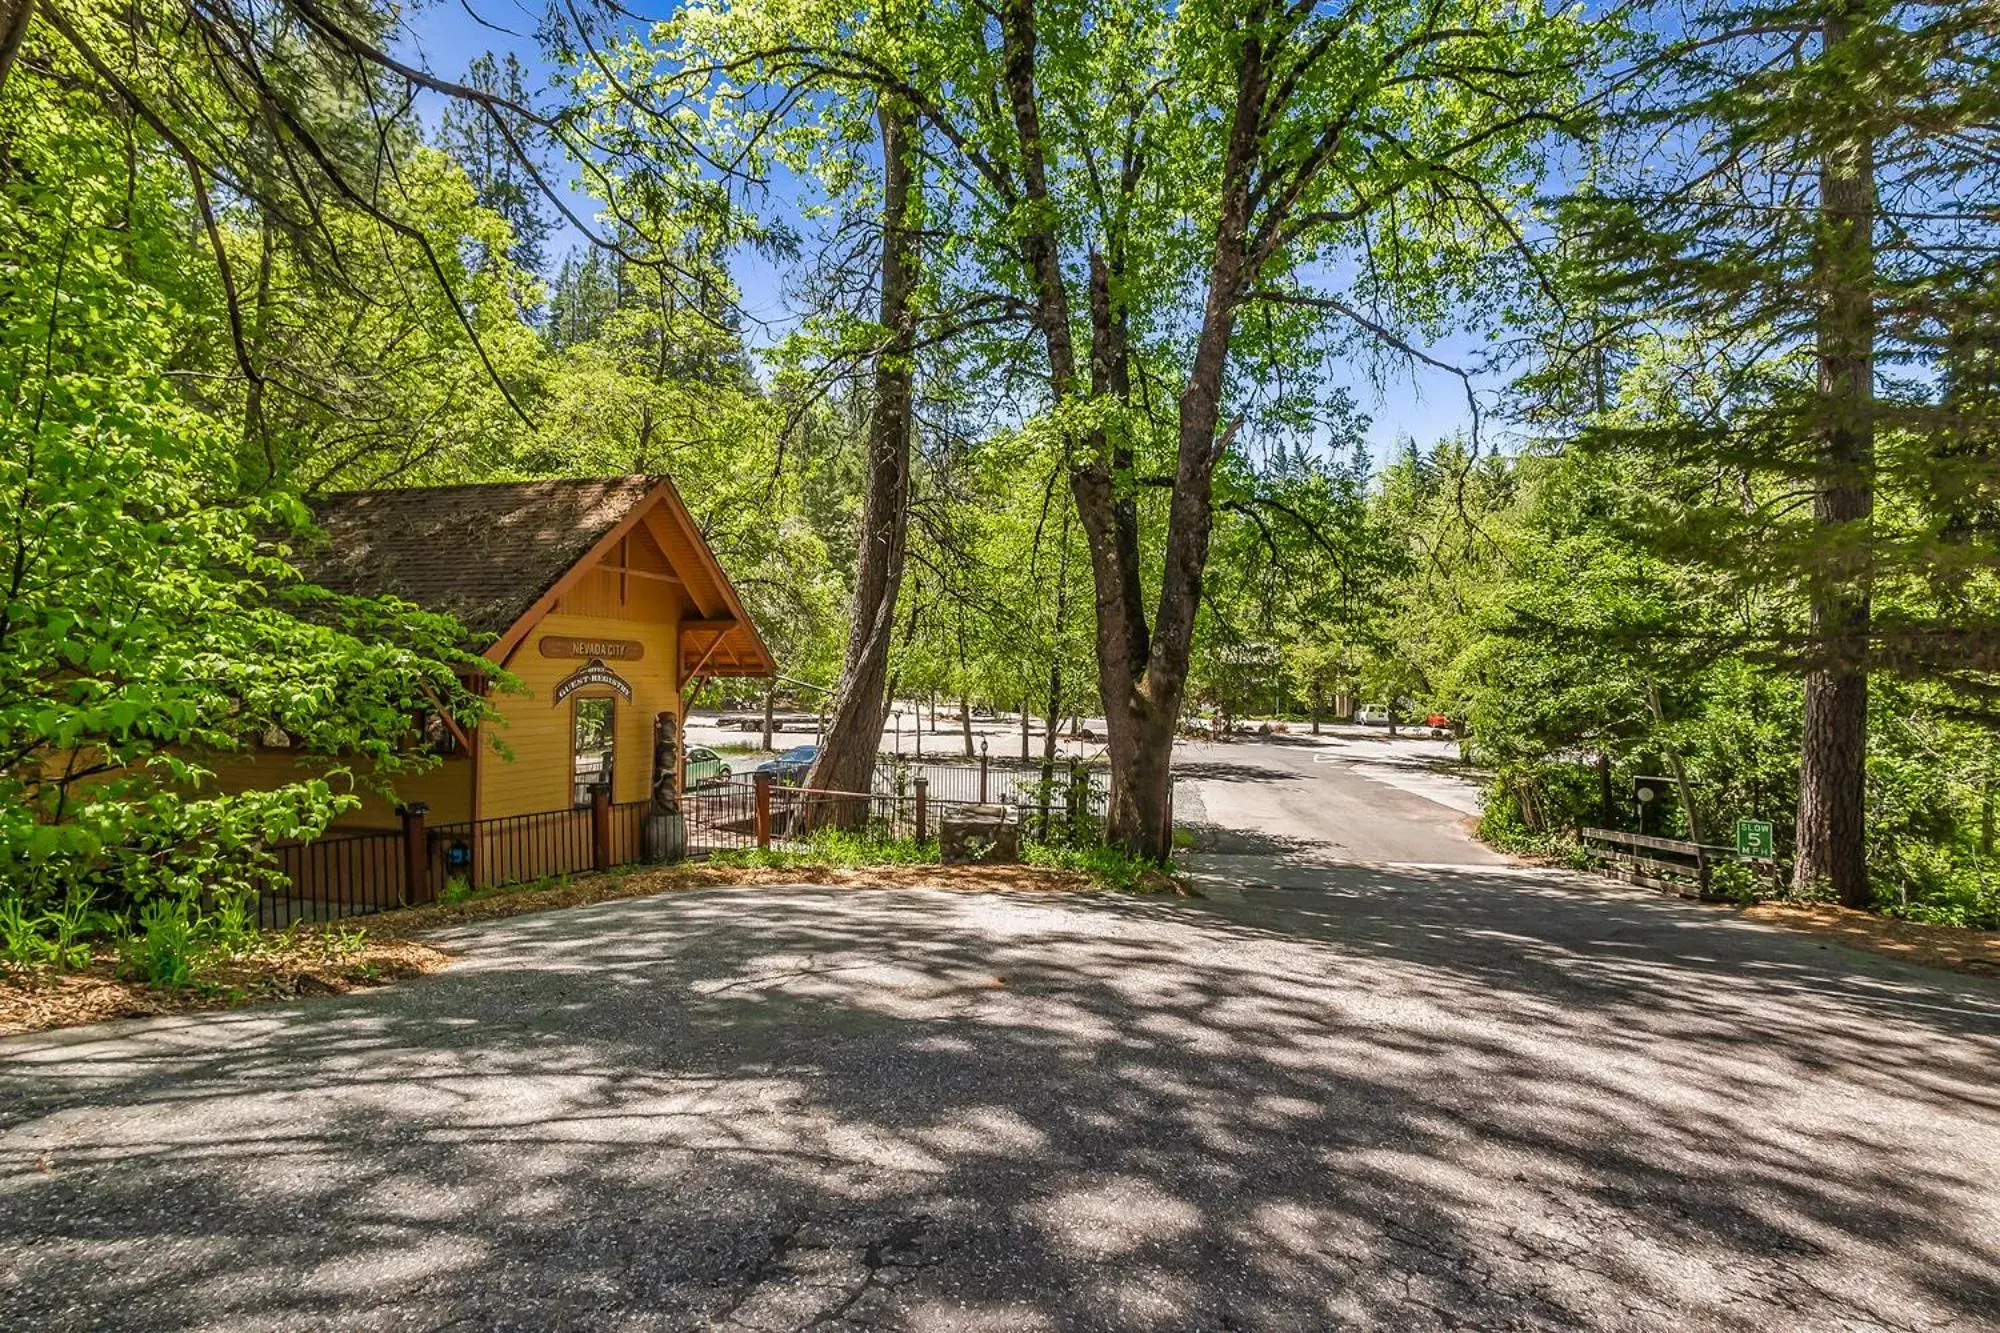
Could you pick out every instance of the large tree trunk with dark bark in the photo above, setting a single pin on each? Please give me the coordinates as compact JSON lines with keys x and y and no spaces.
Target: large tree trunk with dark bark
{"x":1832,"y":827}
{"x":1142,"y":670}
{"x":846,"y":759}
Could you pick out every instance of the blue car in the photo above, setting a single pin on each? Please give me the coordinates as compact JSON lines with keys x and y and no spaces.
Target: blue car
{"x":790,"y":768}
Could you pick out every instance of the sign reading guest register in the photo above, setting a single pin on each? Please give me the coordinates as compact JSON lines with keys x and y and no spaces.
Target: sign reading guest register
{"x":596,"y":673}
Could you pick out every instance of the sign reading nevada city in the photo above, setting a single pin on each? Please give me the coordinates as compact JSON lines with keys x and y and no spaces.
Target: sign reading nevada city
{"x":593,"y":673}
{"x":616,"y":650}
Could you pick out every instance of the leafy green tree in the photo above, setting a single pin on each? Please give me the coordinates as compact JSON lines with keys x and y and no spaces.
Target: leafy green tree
{"x":148,"y":615}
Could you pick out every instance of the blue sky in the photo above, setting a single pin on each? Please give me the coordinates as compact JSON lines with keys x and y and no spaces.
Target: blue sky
{"x":1413,"y":400}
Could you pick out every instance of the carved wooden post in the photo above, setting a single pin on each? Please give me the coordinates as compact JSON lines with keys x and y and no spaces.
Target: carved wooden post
{"x":416,"y":854}
{"x":600,"y":827}
{"x":923,"y":785}
{"x":762,"y":785}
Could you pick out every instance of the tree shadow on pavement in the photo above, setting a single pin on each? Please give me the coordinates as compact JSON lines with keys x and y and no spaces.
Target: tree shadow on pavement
{"x":1386,"y":1098}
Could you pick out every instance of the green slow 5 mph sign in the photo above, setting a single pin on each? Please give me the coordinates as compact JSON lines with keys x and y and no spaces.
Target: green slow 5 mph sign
{"x":1753,"y":839}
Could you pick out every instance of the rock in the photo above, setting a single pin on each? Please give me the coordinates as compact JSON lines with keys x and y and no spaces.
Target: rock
{"x":986,"y":834}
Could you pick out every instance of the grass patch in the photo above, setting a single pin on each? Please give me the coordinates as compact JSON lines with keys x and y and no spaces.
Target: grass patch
{"x":1108,"y":867}
{"x":833,"y":847}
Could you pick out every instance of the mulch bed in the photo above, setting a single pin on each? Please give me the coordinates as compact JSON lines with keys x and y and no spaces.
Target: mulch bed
{"x":646,"y":883}
{"x":288,"y":971}
{"x":1954,"y":948}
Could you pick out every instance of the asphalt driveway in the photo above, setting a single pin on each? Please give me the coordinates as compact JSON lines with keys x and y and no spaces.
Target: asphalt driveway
{"x":1333,"y":1095}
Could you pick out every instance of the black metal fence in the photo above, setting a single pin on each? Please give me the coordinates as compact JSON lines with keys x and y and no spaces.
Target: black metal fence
{"x":1064,"y":801}
{"x":720,"y":818}
{"x":344,"y":875}
{"x":337,"y":876}
{"x":517,"y":849}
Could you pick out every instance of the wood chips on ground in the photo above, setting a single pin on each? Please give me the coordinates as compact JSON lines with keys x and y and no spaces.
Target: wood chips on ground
{"x":289,"y":971}
{"x":645,"y":883}
{"x":1960,"y":950}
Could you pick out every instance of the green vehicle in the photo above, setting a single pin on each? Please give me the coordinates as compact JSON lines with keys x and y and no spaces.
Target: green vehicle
{"x":704,"y":767}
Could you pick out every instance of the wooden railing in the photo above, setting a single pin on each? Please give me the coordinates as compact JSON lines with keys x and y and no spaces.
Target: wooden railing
{"x":1668,"y":865}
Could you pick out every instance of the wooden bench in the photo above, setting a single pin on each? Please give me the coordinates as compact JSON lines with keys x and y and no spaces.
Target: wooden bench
{"x":1667,"y":865}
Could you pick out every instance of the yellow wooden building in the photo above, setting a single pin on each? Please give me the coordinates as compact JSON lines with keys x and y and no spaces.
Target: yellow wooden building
{"x":600,"y":596}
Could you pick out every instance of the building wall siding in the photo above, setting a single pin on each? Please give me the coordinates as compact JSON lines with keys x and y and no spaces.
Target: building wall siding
{"x":538,"y":776}
{"x":446,"y":789}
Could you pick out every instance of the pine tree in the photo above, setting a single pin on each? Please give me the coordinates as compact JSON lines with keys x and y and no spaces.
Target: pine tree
{"x":1785,"y":206}
{"x":501,"y":179}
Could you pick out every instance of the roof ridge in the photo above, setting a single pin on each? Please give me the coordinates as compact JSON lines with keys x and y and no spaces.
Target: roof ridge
{"x":650,"y":478}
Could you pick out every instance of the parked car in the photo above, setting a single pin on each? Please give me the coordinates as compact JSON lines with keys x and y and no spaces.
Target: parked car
{"x":1372,"y":715}
{"x":790,"y":767}
{"x":704,"y":766}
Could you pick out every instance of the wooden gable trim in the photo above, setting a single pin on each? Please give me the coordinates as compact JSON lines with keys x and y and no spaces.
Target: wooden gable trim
{"x":503,"y":648}
{"x":704,"y":600}
{"x":713,"y":644}
{"x":732,"y":606}
{"x":728,"y":618}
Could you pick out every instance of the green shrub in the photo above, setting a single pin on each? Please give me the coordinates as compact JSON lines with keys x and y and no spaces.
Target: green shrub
{"x":1111,"y":867}
{"x":166,"y":949}
{"x":58,"y":937}
{"x":23,"y":946}
{"x":1736,"y":882}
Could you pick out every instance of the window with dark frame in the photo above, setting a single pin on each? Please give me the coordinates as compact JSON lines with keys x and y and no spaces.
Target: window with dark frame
{"x":593,"y":734}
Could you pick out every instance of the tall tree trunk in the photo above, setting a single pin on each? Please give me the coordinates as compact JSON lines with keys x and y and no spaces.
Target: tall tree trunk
{"x":1832,"y":831}
{"x":1142,"y":673}
{"x":1049,"y":741}
{"x":770,"y":711}
{"x":846,"y":761}
{"x":14,"y":16}
{"x":965,"y":720}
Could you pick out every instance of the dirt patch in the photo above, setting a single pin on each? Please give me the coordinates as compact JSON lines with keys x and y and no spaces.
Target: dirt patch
{"x":289,"y":970}
{"x":1952,"y":947}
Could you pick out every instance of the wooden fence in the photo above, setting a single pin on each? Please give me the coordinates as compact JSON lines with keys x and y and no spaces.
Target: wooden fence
{"x":1668,"y":865}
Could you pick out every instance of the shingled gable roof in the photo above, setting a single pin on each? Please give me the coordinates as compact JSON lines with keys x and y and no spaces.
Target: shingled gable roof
{"x":487,"y":553}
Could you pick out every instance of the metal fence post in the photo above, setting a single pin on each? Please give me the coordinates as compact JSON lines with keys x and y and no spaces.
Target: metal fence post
{"x":762,"y":782}
{"x":1073,"y":801}
{"x":416,"y":854}
{"x":923,"y":786}
{"x":982,"y":770}
{"x":600,"y":827}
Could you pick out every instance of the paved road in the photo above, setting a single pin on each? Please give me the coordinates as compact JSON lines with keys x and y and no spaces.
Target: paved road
{"x":1353,"y":794}
{"x":1339,"y":1093}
